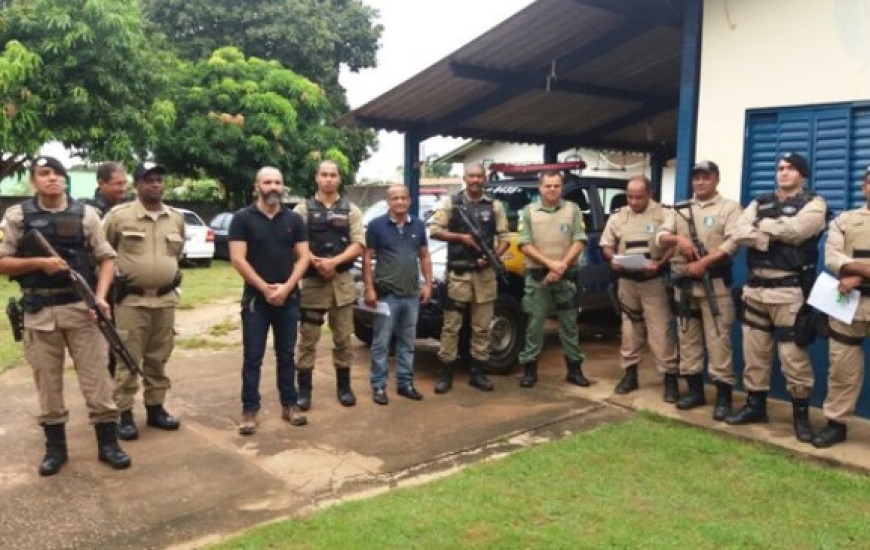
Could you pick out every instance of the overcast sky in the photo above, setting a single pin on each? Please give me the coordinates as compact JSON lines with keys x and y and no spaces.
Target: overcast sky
{"x":418,"y":33}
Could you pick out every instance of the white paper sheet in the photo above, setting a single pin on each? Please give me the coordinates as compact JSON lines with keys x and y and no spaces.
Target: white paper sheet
{"x":826,"y":298}
{"x":381,"y":308}
{"x":632,"y":262}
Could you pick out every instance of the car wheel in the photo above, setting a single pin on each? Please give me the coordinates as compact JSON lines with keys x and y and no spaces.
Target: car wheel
{"x":205,"y":263}
{"x":363,"y":333}
{"x":507,"y":334}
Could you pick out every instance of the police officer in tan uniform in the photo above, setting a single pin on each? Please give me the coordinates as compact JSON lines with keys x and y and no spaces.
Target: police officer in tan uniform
{"x":552,"y":237}
{"x":847,"y":254}
{"x":471,"y":282}
{"x":55,"y":317}
{"x":781,"y":231}
{"x":149,"y":237}
{"x":335,"y":240}
{"x":714,"y":218}
{"x":646,"y":313}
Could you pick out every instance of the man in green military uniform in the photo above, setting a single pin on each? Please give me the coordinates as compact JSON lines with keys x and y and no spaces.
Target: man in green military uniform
{"x":335,"y":240}
{"x":56,"y":319}
{"x":552,"y":237}
{"x":471,"y":282}
{"x":149,"y":237}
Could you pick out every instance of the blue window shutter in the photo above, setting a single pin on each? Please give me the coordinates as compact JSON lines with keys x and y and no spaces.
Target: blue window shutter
{"x":829,"y":157}
{"x":761,"y":146}
{"x":860,"y":158}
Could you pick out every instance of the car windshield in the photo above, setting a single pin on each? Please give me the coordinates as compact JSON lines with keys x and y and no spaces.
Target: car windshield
{"x":427,"y":206}
{"x":192,"y":219}
{"x":513,"y":197}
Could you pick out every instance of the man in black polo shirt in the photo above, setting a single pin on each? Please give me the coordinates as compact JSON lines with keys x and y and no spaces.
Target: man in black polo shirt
{"x":269,"y":248}
{"x":398,"y":240}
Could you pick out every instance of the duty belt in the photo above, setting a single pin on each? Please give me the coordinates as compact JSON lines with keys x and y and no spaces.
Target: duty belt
{"x":761,"y":282}
{"x":639,"y":276}
{"x":540,"y":273}
{"x":162,"y":291}
{"x":463,"y":266}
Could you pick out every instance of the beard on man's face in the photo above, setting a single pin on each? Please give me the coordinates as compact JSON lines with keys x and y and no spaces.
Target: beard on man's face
{"x":272,"y":198}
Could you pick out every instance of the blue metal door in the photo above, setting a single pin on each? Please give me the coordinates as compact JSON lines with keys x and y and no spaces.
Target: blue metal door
{"x":836,"y":141}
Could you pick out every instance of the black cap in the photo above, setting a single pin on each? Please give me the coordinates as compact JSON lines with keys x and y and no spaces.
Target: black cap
{"x":145,"y":168}
{"x":798,"y":162}
{"x":51,"y":162}
{"x":706,"y":166}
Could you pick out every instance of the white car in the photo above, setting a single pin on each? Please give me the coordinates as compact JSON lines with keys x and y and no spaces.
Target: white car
{"x":199,"y":244}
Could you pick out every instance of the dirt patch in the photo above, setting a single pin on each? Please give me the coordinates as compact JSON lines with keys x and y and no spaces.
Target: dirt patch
{"x":211,"y":327}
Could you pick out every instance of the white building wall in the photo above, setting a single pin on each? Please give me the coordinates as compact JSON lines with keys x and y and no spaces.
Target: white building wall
{"x":775,"y":53}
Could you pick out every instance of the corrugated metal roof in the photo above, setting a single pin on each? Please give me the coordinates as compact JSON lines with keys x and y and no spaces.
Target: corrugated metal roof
{"x":599,"y":73}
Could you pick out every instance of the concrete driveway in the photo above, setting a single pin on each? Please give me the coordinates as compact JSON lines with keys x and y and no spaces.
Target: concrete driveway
{"x":206,"y":481}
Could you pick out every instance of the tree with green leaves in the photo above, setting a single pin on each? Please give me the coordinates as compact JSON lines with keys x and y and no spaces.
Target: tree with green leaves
{"x":81,"y":72}
{"x":237,"y":114}
{"x":313,"y":38}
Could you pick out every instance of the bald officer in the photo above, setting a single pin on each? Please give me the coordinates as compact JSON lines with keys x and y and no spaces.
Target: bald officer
{"x":646,"y":312}
{"x":847,"y":255}
{"x":471,"y":281}
{"x":781,"y":231}
{"x":149,"y":237}
{"x":335,"y":240}
{"x":714,"y":218}
{"x":56,"y":319}
{"x":552,"y":237}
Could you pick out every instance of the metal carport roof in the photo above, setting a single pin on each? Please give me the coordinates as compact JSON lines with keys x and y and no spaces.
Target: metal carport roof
{"x":564,"y":73}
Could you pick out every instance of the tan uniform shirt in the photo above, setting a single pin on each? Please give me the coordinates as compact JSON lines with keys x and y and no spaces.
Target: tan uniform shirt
{"x":13,"y":231}
{"x":441,"y":217}
{"x":149,"y":247}
{"x":796,"y":229}
{"x":629,"y":232}
{"x":715,"y":220}
{"x":848,"y":232}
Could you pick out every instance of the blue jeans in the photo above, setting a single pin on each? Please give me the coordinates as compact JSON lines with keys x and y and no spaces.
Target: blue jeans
{"x":403,"y":322}
{"x":257,"y":317}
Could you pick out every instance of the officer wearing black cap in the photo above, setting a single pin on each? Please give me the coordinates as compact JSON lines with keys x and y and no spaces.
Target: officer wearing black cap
{"x":704,"y":321}
{"x":781,"y":231}
{"x":56,"y":319}
{"x":149,"y":237}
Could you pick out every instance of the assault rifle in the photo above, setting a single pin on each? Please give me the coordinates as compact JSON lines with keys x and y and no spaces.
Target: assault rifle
{"x":706,"y":280}
{"x":35,"y":240}
{"x":485,"y":248}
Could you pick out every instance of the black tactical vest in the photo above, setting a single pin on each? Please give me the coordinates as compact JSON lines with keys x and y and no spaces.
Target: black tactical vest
{"x":480,"y":212}
{"x":780,"y":255}
{"x":65,"y":232}
{"x":328,"y":231}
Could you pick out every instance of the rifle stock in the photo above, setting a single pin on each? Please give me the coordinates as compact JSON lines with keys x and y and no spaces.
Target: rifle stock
{"x":485,"y":248}
{"x":80,"y":286}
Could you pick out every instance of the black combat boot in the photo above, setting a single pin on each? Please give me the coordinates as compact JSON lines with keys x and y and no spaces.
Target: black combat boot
{"x":629,"y":381}
{"x":477,"y":377}
{"x":575,"y":372}
{"x":303,"y":378}
{"x":800,"y":412}
{"x":55,"y":449}
{"x":342,"y":386}
{"x":722,"y":408}
{"x":672,"y":388}
{"x":754,"y":411}
{"x":530,"y":374}
{"x":695,"y":396}
{"x":127,"y":429}
{"x":159,"y":418}
{"x":107,"y":446}
{"x":445,"y":379}
{"x":833,"y":433}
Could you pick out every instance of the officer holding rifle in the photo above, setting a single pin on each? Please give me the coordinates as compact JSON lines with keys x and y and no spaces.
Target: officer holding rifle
{"x":56,"y":318}
{"x":471,"y":280}
{"x":701,"y":229}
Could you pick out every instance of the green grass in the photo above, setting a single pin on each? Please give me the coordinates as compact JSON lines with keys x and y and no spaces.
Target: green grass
{"x":647,"y":483}
{"x":10,"y":350}
{"x":200,"y":286}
